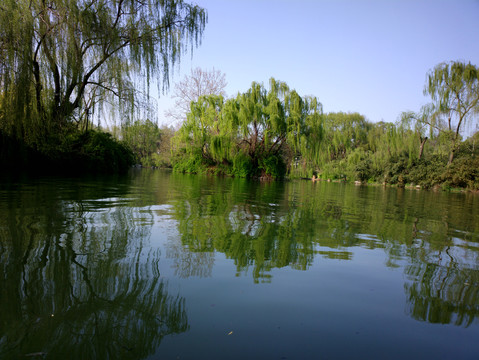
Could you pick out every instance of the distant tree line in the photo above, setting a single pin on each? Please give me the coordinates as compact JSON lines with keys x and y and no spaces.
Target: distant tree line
{"x":272,"y":133}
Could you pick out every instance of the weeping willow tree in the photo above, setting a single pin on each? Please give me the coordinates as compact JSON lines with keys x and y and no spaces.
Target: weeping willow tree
{"x":391,"y":147}
{"x":276,"y":126}
{"x":419,"y":123}
{"x":344,"y":132}
{"x":198,"y":136}
{"x":255,"y":134}
{"x":61,"y":59}
{"x":262,"y":121}
{"x":306,"y":133}
{"x":454,"y":89}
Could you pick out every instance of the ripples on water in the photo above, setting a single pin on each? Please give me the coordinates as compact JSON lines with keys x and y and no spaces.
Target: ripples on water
{"x":164,"y":265}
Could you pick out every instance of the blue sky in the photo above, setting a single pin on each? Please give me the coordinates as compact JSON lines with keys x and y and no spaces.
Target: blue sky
{"x":362,"y":56}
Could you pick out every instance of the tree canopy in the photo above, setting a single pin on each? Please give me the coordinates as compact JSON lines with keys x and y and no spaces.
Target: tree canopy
{"x":61,"y":57}
{"x":254,"y":134}
{"x":454,"y":89}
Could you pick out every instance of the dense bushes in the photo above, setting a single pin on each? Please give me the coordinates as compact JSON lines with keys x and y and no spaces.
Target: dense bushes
{"x":242,"y":165}
{"x":272,"y":166}
{"x":149,"y":143}
{"x":192,"y":163}
{"x":403,"y":169}
{"x":73,"y":153}
{"x":95,"y":151}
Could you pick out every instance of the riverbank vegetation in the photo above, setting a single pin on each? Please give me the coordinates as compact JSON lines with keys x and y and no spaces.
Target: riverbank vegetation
{"x":275,"y":133}
{"x":65,"y":64}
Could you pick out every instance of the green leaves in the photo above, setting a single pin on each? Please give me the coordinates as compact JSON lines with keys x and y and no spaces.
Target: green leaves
{"x":454,"y":89}
{"x":62,"y":60}
{"x":254,"y":134}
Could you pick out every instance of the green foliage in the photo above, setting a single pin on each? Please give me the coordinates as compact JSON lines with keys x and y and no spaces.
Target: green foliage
{"x":64,"y":60}
{"x":396,"y":169}
{"x":272,"y":166}
{"x":74,"y":152}
{"x":150,"y":144}
{"x":192,"y":163}
{"x":463,"y":173}
{"x":337,"y":170}
{"x":428,"y":172}
{"x":454,"y":89}
{"x":98,"y":151}
{"x":433,"y":171}
{"x":344,"y":133}
{"x":363,"y":170}
{"x":242,"y":165}
{"x":253,"y":135}
{"x":93,"y":151}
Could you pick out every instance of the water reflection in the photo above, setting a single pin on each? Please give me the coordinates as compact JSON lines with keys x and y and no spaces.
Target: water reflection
{"x":271,"y":225}
{"x":443,"y":295}
{"x":79,"y":279}
{"x":274,"y":225}
{"x":443,"y":284}
{"x":82,"y":251}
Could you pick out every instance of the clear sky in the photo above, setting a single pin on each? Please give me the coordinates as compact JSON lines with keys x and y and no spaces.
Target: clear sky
{"x":366,"y":56}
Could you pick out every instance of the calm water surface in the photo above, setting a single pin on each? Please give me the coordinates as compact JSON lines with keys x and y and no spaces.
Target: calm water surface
{"x":156,"y":265}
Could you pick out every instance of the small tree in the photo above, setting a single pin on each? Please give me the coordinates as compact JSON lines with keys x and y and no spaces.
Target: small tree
{"x":454,"y":89}
{"x":419,"y":122}
{"x":199,"y":83}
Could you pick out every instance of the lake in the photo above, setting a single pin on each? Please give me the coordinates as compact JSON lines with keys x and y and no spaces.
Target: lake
{"x":157,"y":265}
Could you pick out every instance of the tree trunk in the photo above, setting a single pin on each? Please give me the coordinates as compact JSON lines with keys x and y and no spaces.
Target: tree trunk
{"x":38,"y":88}
{"x":453,"y":150}
{"x":421,"y":147}
{"x":454,"y":142}
{"x":451,"y":156}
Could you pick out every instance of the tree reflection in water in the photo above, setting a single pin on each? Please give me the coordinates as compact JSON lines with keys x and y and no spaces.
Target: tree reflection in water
{"x":82,"y":283}
{"x":84,"y":256}
{"x":443,"y":284}
{"x":272,"y":225}
{"x":442,"y":295}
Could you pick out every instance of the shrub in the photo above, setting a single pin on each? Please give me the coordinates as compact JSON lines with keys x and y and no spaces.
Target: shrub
{"x":463,"y":172}
{"x":273,"y":166}
{"x":426,"y":172}
{"x":95,"y":151}
{"x":242,"y":166}
{"x":191,"y":163}
{"x":396,"y":171}
{"x":364,"y":170}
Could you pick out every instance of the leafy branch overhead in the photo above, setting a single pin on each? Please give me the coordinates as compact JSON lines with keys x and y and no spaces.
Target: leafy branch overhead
{"x":57,"y":54}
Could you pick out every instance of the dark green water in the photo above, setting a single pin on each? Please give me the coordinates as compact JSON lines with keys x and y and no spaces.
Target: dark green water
{"x":163,"y":266}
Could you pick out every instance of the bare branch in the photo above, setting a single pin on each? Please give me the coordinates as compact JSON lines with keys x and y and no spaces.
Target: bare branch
{"x":199,"y":83}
